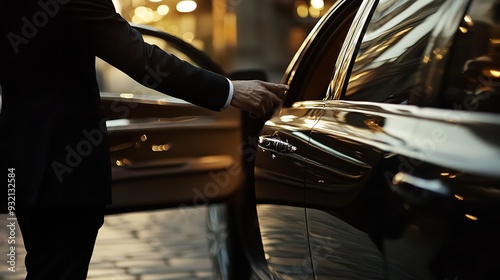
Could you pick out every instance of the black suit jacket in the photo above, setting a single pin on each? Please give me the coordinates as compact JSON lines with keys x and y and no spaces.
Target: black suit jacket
{"x":52,"y":128}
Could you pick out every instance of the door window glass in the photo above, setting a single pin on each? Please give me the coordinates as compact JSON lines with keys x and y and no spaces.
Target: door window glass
{"x":391,"y":51}
{"x":313,"y":69}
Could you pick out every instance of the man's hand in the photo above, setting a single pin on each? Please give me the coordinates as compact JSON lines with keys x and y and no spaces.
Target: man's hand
{"x":257,"y":97}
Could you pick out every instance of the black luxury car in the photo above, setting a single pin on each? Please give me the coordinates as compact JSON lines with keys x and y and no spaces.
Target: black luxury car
{"x":383,"y":161}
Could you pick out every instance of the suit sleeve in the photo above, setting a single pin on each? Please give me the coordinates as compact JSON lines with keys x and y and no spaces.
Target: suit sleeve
{"x":111,"y":38}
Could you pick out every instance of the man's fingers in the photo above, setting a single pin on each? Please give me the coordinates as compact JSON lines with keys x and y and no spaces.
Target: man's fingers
{"x":278,"y":91}
{"x":257,"y":97}
{"x":276,"y":99}
{"x":275,"y":87}
{"x":282,"y":87}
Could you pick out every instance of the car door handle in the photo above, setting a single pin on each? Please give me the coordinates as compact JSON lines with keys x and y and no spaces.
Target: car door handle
{"x":419,"y":190}
{"x":275,"y":145}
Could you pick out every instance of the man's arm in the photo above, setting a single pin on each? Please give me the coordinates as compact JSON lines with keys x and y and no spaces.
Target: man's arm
{"x":111,"y":38}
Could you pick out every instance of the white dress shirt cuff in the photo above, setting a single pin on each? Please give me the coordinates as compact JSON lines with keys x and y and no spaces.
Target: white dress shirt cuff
{"x":229,"y":96}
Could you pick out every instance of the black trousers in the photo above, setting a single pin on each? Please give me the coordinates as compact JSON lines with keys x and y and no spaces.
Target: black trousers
{"x":59,"y":241}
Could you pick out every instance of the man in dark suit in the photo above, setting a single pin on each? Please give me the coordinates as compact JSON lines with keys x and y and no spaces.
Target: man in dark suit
{"x":50,"y":96}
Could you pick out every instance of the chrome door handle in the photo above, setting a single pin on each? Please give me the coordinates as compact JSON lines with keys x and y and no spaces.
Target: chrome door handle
{"x":275,"y":145}
{"x":419,"y":190}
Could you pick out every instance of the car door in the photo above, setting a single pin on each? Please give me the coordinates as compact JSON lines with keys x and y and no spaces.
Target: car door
{"x":282,"y":155}
{"x":165,"y":151}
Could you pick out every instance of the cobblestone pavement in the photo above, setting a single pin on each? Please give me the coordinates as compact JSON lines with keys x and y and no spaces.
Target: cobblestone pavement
{"x":152,"y":245}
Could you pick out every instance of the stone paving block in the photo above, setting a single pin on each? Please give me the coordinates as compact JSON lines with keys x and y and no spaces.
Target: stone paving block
{"x":204,"y":274}
{"x":114,"y":277}
{"x":114,"y":234}
{"x":102,"y":265}
{"x":106,"y":272}
{"x":197,"y":264}
{"x":176,"y":276}
{"x":123,"y":252}
{"x":159,"y":270}
{"x":141,"y":263}
{"x":151,"y":255}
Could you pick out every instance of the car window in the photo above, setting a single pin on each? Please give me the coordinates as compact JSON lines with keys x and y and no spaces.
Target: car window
{"x":475,"y":60}
{"x":391,"y":51}
{"x":312,"y":69}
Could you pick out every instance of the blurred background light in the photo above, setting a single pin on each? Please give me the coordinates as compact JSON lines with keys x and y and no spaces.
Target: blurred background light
{"x":313,"y":12}
{"x":302,"y":10}
{"x":141,"y":11}
{"x":163,"y":10}
{"x":318,"y":4}
{"x":186,"y":6}
{"x":188,"y":37}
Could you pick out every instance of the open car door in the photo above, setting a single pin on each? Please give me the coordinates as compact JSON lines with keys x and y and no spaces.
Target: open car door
{"x":166,"y":152}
